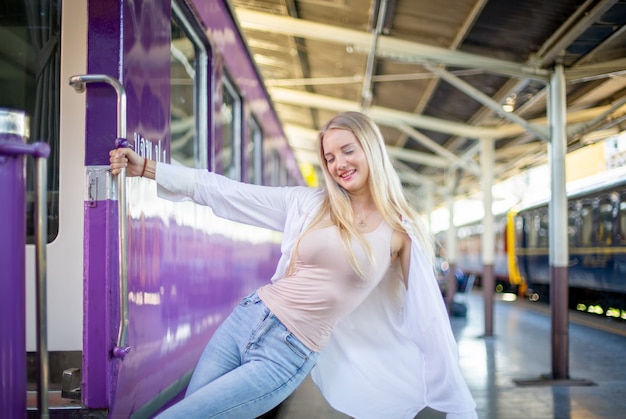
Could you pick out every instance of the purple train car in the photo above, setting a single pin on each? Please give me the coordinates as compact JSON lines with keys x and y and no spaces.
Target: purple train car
{"x":136,"y":285}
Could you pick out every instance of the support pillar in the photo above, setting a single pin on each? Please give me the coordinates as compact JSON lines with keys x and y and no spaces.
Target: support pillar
{"x":558,"y":239}
{"x":488,"y":237}
{"x":451,"y":245}
{"x":559,"y":252}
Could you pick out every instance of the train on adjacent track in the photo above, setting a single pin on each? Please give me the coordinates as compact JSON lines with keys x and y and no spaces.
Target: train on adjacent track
{"x":132,"y":300}
{"x":596,"y":246}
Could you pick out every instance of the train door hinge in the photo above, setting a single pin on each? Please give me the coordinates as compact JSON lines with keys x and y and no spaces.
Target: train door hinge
{"x":99,"y":185}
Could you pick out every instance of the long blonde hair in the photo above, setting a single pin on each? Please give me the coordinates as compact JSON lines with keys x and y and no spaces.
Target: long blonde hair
{"x":384,"y":184}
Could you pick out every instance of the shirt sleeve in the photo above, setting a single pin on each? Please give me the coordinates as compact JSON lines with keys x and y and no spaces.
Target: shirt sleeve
{"x":261,"y":206}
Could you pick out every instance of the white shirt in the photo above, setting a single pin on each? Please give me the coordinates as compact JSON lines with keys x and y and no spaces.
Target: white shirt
{"x":392,"y":356}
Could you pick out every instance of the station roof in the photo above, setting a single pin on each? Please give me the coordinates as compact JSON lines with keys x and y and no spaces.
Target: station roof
{"x":437,"y":76}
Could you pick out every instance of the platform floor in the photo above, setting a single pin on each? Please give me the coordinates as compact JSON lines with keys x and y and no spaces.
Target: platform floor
{"x":520,"y":349}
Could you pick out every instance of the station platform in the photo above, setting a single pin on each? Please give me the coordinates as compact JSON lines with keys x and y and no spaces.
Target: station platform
{"x":520,"y":351}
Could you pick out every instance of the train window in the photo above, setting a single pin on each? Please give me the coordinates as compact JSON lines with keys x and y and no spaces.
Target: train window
{"x":605,"y":227}
{"x":277,"y":173}
{"x":586,"y":225}
{"x":230,"y":122}
{"x":30,"y":57}
{"x":621,"y":237}
{"x":533,"y":228}
{"x":572,"y":227}
{"x":188,"y":97}
{"x":254,"y":152}
{"x":519,"y":231}
{"x":543,"y":229}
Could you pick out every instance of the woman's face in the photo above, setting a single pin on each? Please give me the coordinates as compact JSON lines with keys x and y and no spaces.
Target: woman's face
{"x":345,"y":160}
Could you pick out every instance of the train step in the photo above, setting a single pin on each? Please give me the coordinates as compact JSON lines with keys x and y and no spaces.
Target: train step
{"x":61,"y":408}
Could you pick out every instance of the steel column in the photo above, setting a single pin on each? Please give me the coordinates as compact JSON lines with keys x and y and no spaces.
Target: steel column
{"x":487,"y":158}
{"x":559,"y":252}
{"x":451,"y":250}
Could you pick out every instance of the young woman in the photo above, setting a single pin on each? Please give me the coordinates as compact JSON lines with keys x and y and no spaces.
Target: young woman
{"x":354,"y":300}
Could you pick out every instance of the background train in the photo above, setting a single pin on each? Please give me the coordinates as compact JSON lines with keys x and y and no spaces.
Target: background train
{"x":193,"y":97}
{"x":597,"y":248}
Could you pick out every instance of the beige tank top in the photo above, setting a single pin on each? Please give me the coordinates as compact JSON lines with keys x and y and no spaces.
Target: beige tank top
{"x":323,"y":287}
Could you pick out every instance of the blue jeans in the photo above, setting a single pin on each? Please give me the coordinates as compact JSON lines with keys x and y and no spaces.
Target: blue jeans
{"x":250,"y":365}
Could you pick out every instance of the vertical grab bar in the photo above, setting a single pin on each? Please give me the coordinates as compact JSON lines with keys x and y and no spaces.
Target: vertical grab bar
{"x":79,"y":83}
{"x":41,"y":153}
{"x":13,"y":132}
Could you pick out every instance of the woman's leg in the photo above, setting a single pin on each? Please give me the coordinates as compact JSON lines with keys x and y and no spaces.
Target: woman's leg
{"x":222,"y":354}
{"x":269,"y":364}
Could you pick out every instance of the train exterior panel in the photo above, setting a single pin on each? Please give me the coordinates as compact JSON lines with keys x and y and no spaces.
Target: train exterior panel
{"x":469,"y":258}
{"x":187,"y":268}
{"x":596,"y":246}
{"x":193,"y":97}
{"x":469,"y":255}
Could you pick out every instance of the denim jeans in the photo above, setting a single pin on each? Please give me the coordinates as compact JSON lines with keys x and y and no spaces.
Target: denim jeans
{"x":250,"y":365}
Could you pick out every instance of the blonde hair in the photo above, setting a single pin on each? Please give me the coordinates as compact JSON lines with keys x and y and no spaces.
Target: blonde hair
{"x":384,"y":184}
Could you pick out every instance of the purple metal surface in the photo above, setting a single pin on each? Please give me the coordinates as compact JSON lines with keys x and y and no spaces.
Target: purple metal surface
{"x":224,"y":33}
{"x":12,"y":148}
{"x":183,"y":283}
{"x":98,"y":371}
{"x":98,"y":337}
{"x":187,"y":268}
{"x":12,"y":281}
{"x":103,"y":58}
{"x":146,"y":73}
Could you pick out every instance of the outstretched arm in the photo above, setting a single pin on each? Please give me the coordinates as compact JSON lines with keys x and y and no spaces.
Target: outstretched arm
{"x":261,"y":206}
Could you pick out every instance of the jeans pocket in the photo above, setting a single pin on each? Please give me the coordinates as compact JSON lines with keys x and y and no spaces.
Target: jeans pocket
{"x":296,"y":346}
{"x":248,"y":300}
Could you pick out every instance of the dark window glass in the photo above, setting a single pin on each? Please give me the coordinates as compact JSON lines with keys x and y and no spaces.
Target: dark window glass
{"x":605,"y":224}
{"x":621,"y":219}
{"x":230,"y":121}
{"x":586,"y":226}
{"x":188,"y":94}
{"x":30,"y":56}
{"x":254,"y":153}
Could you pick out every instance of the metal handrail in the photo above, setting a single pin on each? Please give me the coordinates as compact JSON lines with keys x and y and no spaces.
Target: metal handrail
{"x":41,"y":238}
{"x":79,"y":83}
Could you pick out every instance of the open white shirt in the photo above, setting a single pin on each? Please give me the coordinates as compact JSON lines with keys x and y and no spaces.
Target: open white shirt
{"x":391,"y":357}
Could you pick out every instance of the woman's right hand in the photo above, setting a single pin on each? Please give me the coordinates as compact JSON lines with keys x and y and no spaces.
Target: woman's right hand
{"x":121,"y":158}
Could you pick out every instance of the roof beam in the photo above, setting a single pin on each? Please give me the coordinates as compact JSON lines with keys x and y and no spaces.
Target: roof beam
{"x":385,"y":116}
{"x":596,"y":70}
{"x":575,"y":26}
{"x":474,"y":93}
{"x":392,"y":117}
{"x":305,"y":139}
{"x":388,"y":47}
{"x":438,"y":149}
